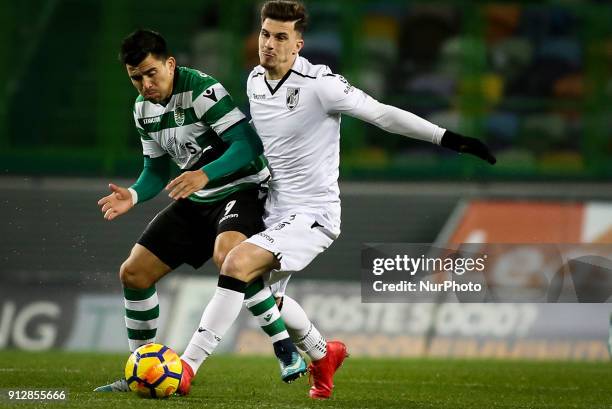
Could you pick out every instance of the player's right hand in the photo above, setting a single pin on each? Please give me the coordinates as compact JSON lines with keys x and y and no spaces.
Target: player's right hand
{"x":117,"y":203}
{"x":465,"y":144}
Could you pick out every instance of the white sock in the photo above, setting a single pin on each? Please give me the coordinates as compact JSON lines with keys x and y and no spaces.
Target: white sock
{"x":302,"y":332}
{"x":219,"y":315}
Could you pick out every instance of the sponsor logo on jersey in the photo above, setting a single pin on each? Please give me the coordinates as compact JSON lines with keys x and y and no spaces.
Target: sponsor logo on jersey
{"x":179,"y":116}
{"x":293,"y":97}
{"x":259,"y":96}
{"x":229,"y":216}
{"x":152,"y":120}
{"x":349,"y":87}
{"x":210,"y":93}
{"x":171,"y":146}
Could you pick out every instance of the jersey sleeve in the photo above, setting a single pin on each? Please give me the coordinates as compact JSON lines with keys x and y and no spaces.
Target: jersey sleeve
{"x":215,"y":107}
{"x":154,"y":176}
{"x":244,"y":147}
{"x":150,"y":148}
{"x":339,"y":97}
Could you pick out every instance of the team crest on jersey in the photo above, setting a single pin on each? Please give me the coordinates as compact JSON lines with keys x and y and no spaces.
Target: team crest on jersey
{"x":293,"y":97}
{"x":179,"y":116}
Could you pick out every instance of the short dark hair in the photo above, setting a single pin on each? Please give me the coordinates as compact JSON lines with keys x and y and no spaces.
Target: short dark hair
{"x":286,"y":10}
{"x":139,"y":44}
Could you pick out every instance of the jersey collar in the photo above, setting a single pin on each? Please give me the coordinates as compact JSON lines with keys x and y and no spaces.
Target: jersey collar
{"x":294,"y":69}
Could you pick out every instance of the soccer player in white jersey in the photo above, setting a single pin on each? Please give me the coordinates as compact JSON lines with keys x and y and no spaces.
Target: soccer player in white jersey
{"x":296,"y":108}
{"x":187,"y":117}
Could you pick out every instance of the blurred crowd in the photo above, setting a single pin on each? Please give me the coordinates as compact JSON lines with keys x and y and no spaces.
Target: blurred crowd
{"x":532,"y":80}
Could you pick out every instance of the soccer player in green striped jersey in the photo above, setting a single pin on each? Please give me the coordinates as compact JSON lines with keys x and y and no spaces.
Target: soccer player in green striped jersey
{"x":187,"y":117}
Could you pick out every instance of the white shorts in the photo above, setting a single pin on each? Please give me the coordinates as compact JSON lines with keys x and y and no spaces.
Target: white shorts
{"x":295,"y":241}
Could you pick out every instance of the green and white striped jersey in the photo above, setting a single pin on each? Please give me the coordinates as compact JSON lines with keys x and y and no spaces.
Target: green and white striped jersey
{"x":190,"y":128}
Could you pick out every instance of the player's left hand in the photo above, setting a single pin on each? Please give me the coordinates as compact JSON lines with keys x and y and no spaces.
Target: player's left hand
{"x":187,"y":183}
{"x":465,"y":144}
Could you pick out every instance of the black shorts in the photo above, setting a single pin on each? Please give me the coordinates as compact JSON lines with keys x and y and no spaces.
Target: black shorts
{"x":185,"y":231}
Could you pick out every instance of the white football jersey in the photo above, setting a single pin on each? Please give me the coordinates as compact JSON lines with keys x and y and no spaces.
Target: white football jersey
{"x":298,"y":121}
{"x":301,"y":141}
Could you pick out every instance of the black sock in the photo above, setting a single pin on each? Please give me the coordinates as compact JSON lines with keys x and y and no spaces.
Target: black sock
{"x":284,"y":350}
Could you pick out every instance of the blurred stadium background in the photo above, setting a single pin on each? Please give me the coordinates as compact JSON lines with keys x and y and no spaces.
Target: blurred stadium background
{"x":534,"y":80}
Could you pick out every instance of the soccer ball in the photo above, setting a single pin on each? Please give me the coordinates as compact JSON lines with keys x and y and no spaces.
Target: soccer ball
{"x":154,"y":371}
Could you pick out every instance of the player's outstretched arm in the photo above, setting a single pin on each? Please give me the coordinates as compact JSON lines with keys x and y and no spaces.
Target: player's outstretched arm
{"x":395,"y":120}
{"x":117,"y":203}
{"x":151,"y":181}
{"x":465,"y":144}
{"x":338,"y":96}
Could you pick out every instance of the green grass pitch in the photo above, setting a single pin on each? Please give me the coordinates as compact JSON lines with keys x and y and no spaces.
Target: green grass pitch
{"x":253,"y":382}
